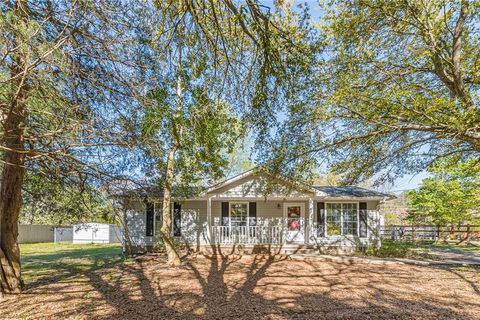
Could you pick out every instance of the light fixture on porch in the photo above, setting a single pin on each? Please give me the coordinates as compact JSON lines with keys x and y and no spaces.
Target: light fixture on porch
{"x":279,"y":205}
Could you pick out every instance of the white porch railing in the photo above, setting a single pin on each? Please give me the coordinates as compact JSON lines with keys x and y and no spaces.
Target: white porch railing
{"x":248,"y":235}
{"x":274,"y":231}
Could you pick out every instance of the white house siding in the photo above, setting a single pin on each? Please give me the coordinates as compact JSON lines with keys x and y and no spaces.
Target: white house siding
{"x":136,"y":223}
{"x":248,"y":189}
{"x":199,"y":207}
{"x":194,"y":228}
{"x":194,"y":222}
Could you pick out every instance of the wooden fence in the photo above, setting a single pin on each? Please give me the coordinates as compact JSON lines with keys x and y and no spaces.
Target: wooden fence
{"x":31,"y":233}
{"x":460,"y":233}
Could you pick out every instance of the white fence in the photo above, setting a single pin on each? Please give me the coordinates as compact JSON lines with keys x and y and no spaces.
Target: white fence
{"x":87,"y":233}
{"x":96,"y":233}
{"x":63,"y":234}
{"x":32,"y":233}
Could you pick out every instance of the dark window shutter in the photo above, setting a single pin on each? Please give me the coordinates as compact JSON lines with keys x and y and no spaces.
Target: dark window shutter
{"x":150,"y":213}
{"x":177,"y":219}
{"x":225,"y":215}
{"x":320,"y":219}
{"x":363,"y":215}
{"x":252,"y":213}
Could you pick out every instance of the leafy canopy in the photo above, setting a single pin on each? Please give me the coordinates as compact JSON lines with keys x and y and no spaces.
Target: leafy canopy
{"x":452,"y":195}
{"x":52,"y":201}
{"x":239,"y":60}
{"x":183,"y":110}
{"x":405,"y":89}
{"x":398,"y":88}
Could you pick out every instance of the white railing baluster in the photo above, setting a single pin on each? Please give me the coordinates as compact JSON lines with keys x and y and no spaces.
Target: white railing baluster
{"x":247,"y":234}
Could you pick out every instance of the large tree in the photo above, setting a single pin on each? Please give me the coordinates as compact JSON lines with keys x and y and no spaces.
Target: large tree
{"x":451,"y":195}
{"x":63,"y":66}
{"x":398,"y":87}
{"x":186,"y":128}
{"x":216,"y":61}
{"x":404,"y":85}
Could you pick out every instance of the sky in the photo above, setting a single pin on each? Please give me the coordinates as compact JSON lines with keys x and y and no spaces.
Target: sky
{"x":408,"y":182}
{"x":404,"y":183}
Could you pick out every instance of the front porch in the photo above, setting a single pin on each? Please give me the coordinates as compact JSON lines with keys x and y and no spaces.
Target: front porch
{"x":280,"y":235}
{"x":241,"y":213}
{"x":292,"y":223}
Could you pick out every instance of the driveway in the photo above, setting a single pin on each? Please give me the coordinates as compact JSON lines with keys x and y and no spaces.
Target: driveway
{"x":452,"y":255}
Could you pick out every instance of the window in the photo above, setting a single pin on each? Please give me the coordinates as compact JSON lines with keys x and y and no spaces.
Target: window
{"x":176,"y":222}
{"x":349,"y":211}
{"x":238,"y":214}
{"x":334,"y":219}
{"x":342,"y":218}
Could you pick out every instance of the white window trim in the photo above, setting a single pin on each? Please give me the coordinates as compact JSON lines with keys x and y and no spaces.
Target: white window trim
{"x":160,"y":204}
{"x":341,"y":219}
{"x":230,"y":212}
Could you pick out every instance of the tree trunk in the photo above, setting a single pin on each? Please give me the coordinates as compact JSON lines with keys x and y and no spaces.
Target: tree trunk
{"x":126,"y":235}
{"x":13,"y":121}
{"x":172,"y":254}
{"x":11,"y":193}
{"x":13,"y":173}
{"x":176,"y":132}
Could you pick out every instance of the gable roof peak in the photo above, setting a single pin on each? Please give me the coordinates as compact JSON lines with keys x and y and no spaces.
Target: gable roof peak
{"x":262,"y":170}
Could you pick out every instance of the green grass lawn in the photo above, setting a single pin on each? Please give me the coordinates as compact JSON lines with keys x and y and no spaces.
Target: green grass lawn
{"x":53,"y":261}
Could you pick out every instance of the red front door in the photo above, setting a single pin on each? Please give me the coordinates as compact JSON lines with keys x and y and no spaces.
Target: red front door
{"x":295,"y":216}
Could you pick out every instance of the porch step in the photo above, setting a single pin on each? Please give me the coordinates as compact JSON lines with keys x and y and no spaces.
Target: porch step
{"x":312,"y":249}
{"x":299,"y":249}
{"x":286,"y":249}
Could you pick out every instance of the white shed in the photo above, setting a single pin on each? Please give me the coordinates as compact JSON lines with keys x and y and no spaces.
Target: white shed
{"x":96,"y":233}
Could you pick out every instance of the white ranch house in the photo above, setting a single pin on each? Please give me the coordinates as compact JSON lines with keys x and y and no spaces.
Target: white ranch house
{"x":237,"y":212}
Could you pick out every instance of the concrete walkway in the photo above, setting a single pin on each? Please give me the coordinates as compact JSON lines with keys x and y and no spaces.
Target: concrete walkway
{"x":442,"y":256}
{"x":455,"y":256}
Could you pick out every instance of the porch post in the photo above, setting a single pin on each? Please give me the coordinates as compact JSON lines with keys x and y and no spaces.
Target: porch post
{"x":209,"y":219}
{"x":310,"y":220}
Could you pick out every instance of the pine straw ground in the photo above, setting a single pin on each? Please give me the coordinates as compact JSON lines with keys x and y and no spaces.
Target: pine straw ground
{"x":253,"y":287}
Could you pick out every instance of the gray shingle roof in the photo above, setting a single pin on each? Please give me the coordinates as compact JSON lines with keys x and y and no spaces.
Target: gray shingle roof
{"x":126,"y":187}
{"x":350,"y":191}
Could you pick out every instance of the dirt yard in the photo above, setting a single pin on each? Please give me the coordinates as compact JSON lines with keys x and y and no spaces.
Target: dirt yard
{"x":248,"y":287}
